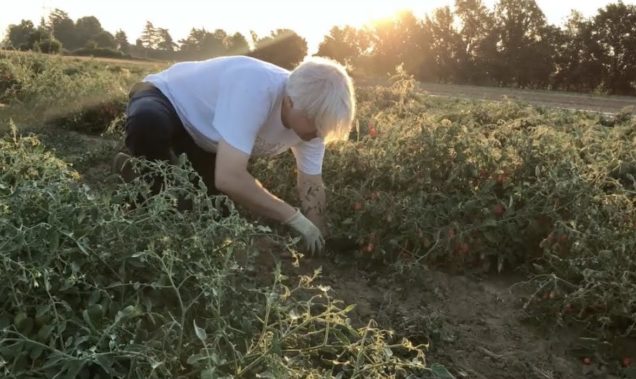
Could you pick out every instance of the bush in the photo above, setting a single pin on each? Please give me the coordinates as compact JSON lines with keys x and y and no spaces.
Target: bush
{"x":100,"y":52}
{"x":81,"y":95}
{"x":49,"y":46}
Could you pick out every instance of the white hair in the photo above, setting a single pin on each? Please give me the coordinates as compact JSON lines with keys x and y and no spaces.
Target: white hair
{"x":322,"y":88}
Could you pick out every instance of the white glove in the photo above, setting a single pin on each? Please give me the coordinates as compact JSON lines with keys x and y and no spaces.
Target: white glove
{"x":314,"y":242}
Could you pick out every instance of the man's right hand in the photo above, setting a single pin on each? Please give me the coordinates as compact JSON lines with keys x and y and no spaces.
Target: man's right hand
{"x":314,"y":241}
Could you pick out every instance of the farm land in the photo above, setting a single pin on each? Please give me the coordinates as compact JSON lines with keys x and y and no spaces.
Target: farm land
{"x":477,"y":233}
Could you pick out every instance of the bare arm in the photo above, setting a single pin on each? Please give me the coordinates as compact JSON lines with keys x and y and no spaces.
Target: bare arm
{"x":311,"y":191}
{"x":232,"y":178}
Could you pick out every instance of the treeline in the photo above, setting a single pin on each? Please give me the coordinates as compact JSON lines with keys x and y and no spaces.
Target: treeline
{"x":511,"y":44}
{"x":58,"y":33}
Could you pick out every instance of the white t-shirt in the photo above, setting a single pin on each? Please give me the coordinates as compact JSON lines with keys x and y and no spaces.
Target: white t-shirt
{"x":237,"y":99}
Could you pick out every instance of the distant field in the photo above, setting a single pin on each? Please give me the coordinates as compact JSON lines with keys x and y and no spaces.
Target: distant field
{"x":142,"y":62}
{"x":576,"y":101}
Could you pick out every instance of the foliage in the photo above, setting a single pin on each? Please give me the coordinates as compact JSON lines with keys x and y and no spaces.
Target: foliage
{"x":85,"y":95}
{"x":99,"y":52}
{"x":201,"y":44}
{"x":283,"y":47}
{"x":122,"y":285}
{"x":474,"y":186}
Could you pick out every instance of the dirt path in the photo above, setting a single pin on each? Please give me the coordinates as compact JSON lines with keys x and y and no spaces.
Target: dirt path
{"x":555,"y":99}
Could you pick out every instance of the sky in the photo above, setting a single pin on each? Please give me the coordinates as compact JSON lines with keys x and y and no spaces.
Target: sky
{"x":310,"y":19}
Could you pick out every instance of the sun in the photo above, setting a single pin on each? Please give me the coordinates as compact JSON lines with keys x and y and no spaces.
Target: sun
{"x":381,"y":11}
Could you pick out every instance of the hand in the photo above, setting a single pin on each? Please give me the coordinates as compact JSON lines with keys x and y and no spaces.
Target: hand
{"x":314,"y":242}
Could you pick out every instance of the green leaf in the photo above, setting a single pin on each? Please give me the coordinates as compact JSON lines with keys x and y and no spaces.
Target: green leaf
{"x":11,"y":351}
{"x":36,"y":352}
{"x":127,"y":313}
{"x":195,"y":359}
{"x":491,"y":237}
{"x":490,"y":222}
{"x":200,"y":332}
{"x":88,"y":321}
{"x":441,"y":372}
{"x":19,"y":320}
{"x":45,"y":332}
{"x":208,"y":373}
{"x":630,"y":372}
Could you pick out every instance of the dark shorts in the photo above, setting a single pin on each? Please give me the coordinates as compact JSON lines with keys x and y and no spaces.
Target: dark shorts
{"x":154,"y":131}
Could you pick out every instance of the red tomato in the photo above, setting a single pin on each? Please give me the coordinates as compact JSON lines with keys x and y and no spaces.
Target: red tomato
{"x":499,"y":210}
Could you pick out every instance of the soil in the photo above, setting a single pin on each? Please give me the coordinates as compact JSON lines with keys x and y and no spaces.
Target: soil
{"x":475,"y":326}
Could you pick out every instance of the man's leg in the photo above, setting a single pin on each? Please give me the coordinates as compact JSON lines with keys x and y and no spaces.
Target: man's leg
{"x":150,"y":128}
{"x":202,"y":161}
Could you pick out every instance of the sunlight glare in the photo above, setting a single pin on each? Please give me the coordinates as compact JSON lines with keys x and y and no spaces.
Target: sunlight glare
{"x":378,"y":12}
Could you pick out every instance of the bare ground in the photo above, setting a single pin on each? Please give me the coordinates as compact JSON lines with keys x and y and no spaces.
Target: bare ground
{"x":475,"y":326}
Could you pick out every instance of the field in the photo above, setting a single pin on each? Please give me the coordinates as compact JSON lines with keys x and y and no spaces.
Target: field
{"x":553,"y":99}
{"x":491,"y":239}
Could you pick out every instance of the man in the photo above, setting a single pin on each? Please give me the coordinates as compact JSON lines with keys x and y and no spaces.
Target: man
{"x":222,"y":111}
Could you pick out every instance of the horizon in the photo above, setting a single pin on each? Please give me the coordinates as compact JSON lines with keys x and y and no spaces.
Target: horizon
{"x":263,"y":17}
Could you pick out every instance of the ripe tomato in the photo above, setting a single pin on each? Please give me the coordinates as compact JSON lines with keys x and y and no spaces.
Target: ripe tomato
{"x":499,"y":210}
{"x":462,"y":248}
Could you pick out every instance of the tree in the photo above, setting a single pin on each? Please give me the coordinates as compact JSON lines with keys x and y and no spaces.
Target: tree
{"x":442,"y":58}
{"x":104,"y":40}
{"x":149,"y":36}
{"x":396,"y":41}
{"x":19,"y":36}
{"x":165,"y":41}
{"x":87,"y":28}
{"x":524,"y":55}
{"x":283,"y":47}
{"x":201,"y":44}
{"x":121,"y":42}
{"x":214,"y":44}
{"x":615,"y":30}
{"x":477,"y":50}
{"x":191,"y":45}
{"x":575,"y":67}
{"x":343,"y":44}
{"x":63,"y":28}
{"x":236,"y":44}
